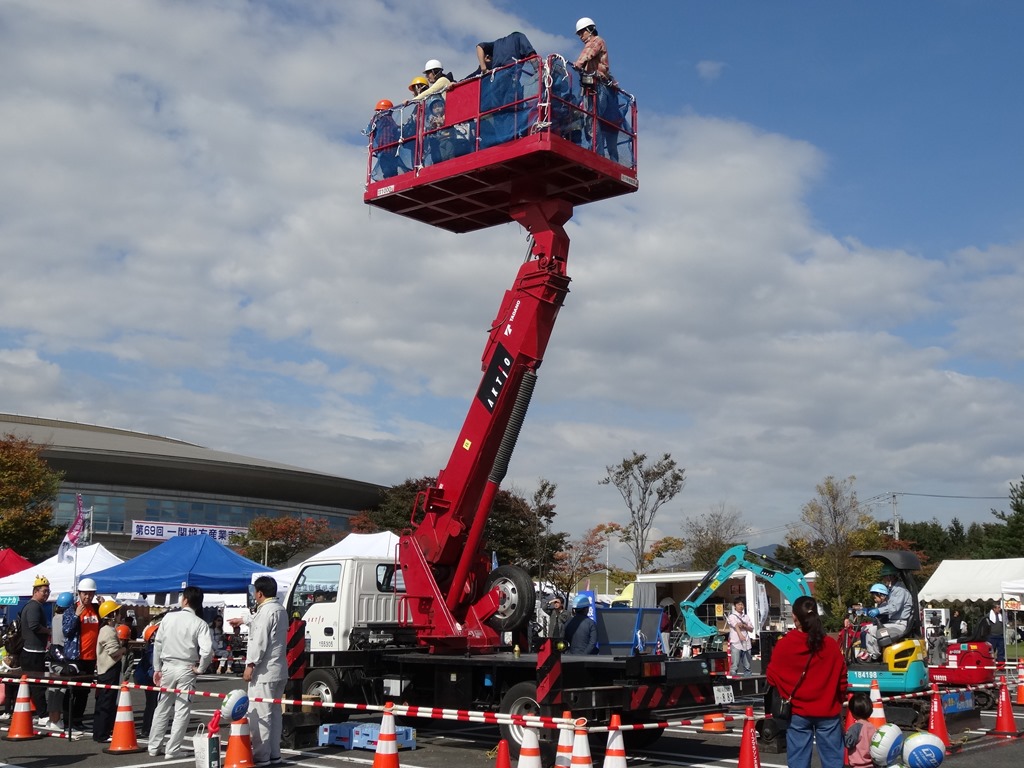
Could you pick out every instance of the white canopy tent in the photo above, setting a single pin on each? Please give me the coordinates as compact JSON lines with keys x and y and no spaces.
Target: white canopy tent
{"x":62,"y":576}
{"x":380,"y":545}
{"x":977,"y":580}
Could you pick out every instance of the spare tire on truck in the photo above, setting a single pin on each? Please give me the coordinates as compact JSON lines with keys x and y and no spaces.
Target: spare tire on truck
{"x":518,"y":600}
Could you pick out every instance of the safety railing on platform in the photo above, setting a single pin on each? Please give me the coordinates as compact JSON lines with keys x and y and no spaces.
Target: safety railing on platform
{"x":535,"y":95}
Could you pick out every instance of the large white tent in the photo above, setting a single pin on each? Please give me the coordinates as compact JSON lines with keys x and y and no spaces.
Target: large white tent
{"x":62,"y":576}
{"x":972,"y":579}
{"x":380,"y":545}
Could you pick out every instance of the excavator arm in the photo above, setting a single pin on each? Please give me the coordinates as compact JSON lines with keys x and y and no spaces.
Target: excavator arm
{"x":789,"y":581}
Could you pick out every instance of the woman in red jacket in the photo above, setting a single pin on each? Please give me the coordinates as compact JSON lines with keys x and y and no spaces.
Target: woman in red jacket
{"x":818,"y":693}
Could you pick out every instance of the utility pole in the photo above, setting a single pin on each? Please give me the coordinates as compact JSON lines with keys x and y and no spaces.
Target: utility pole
{"x":895,"y":518}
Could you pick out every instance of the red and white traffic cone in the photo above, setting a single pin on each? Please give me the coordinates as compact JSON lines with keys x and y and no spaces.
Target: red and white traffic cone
{"x":563,"y":753}
{"x":529,"y":750}
{"x":615,"y":751}
{"x":21,"y":728}
{"x":239,"y":754}
{"x":877,"y":718}
{"x":386,"y":755}
{"x":123,"y":740}
{"x":581,"y":746}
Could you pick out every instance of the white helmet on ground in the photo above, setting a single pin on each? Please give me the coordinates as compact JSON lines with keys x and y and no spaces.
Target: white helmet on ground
{"x":432,"y":65}
{"x":87,"y":585}
{"x":583,"y":23}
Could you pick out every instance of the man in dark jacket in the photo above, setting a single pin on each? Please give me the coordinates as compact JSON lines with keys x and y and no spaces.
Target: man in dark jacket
{"x":581,"y":631}
{"x":35,"y":631}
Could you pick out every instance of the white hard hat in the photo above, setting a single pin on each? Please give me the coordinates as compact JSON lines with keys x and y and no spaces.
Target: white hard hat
{"x":87,"y":585}
{"x":583,"y":23}
{"x":432,"y":64}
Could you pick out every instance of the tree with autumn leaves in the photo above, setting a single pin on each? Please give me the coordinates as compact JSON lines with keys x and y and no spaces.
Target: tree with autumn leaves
{"x":282,"y":538}
{"x":28,"y":493}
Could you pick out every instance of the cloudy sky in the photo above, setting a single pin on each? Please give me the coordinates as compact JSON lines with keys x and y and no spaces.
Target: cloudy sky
{"x":820,"y":275}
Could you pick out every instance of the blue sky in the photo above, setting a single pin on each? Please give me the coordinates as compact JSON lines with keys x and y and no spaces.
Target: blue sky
{"x":820,"y":274}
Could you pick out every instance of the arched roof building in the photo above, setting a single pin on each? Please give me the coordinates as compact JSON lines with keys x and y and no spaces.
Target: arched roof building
{"x":131,"y":478}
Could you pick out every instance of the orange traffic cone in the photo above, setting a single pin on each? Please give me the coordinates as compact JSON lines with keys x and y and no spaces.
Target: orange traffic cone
{"x":386,"y":755}
{"x":239,"y":746}
{"x":937,"y":719}
{"x":20,"y":728}
{"x":615,"y":750}
{"x":503,"y":761}
{"x":123,"y":740}
{"x":715,"y":724}
{"x":1020,"y":691}
{"x":581,"y":746}
{"x":750,"y":757}
{"x":877,"y":718}
{"x":529,"y":750}
{"x":1005,"y":725}
{"x":563,"y":754}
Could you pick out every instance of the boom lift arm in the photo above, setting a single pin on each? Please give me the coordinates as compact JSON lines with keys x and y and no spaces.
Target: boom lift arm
{"x":452,"y":598}
{"x":789,"y":581}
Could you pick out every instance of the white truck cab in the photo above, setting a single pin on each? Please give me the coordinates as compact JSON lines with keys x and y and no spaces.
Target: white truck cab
{"x":333,"y":595}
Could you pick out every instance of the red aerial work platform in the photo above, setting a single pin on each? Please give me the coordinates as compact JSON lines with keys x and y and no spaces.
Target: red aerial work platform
{"x":525,"y":132}
{"x":526,"y":142}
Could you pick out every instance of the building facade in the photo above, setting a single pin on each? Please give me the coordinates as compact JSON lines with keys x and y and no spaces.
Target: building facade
{"x":142,"y":489}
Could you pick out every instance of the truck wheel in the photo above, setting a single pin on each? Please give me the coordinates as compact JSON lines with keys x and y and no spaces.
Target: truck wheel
{"x":323,"y":685}
{"x":518,"y":599}
{"x":520,"y":699}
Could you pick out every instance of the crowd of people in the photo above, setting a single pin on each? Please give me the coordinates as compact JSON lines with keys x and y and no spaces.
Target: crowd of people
{"x":430,"y":89}
{"x":92,"y":639}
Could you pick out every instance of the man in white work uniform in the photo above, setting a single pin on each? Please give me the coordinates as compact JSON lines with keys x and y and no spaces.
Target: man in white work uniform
{"x":266,"y":671}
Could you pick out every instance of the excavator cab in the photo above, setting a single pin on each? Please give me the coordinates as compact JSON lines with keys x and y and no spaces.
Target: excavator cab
{"x":903,"y":667}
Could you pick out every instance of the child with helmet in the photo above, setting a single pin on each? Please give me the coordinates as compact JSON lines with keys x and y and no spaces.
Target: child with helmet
{"x":109,"y":652}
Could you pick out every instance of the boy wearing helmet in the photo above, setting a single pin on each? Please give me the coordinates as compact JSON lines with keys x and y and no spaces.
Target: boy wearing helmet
{"x":893,"y":608}
{"x":109,"y":652}
{"x":385,"y":135}
{"x":54,"y":695}
{"x":438,"y":79}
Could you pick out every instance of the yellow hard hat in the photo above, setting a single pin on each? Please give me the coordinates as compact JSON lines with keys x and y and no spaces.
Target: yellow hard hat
{"x":106,"y":608}
{"x":418,"y":80}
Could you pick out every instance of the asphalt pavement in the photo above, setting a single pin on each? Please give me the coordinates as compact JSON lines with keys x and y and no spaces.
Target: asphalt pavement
{"x":448,"y":744}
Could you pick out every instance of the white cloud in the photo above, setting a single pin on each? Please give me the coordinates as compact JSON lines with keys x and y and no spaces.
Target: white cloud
{"x":709,"y":71}
{"x":187,"y":253}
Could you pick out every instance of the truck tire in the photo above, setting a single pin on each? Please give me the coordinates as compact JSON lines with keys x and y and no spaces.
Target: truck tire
{"x":641,"y":739}
{"x":323,"y":685}
{"x":521,"y":699}
{"x":518,"y":599}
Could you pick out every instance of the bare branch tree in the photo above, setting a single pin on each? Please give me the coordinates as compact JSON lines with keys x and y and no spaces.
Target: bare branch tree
{"x":709,"y":535}
{"x":645,"y":487}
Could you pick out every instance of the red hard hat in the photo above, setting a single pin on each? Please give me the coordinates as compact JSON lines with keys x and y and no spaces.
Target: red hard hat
{"x":149,"y":631}
{"x":124,"y":632}
{"x":385,"y":104}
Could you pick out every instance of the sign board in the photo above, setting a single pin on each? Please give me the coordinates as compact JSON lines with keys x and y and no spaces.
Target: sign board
{"x":9,"y":599}
{"x":1011,"y":603}
{"x":149,"y":530}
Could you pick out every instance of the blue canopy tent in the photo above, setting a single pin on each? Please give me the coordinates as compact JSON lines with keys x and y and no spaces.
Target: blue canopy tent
{"x":183,"y":561}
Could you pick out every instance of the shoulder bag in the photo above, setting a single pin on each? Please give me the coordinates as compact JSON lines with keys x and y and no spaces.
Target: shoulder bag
{"x":782,"y":707}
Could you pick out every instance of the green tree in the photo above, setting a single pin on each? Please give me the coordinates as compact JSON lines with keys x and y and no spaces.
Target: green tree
{"x":1004,"y":538}
{"x":274,"y":541}
{"x":517,"y":531}
{"x":834,"y":526}
{"x":709,"y":535}
{"x":645,"y":487}
{"x":28,"y":491}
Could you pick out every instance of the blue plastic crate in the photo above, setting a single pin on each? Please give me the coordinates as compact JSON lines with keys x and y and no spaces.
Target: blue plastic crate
{"x":363,"y":735}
